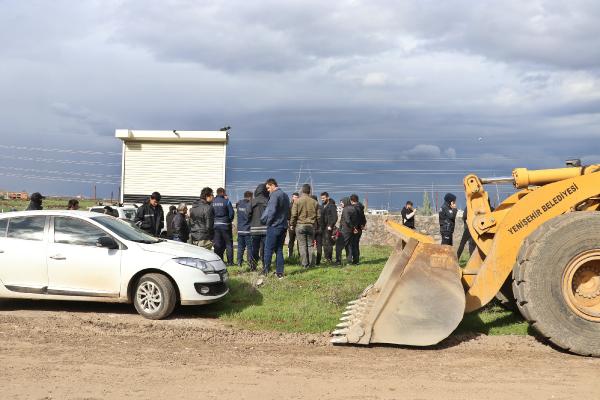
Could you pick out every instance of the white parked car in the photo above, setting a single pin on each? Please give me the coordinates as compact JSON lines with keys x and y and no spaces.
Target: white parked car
{"x":123,"y":212}
{"x":79,"y":255}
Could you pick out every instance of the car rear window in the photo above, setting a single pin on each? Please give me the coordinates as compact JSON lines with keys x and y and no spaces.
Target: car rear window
{"x":3,"y":225}
{"x":26,"y":228}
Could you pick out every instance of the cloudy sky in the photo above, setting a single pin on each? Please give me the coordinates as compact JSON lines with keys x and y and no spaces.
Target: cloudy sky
{"x":382,"y":98}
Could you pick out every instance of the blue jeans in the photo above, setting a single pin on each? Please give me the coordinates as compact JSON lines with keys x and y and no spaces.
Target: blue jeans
{"x":244,"y":242}
{"x":274,"y":244}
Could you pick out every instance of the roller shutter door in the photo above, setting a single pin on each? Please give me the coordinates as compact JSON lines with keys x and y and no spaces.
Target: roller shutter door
{"x":177,"y":170}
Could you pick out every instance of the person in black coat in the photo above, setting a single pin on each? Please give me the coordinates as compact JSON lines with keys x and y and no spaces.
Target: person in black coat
{"x":35,"y":202}
{"x":349,"y":226}
{"x":362,"y":222}
{"x":447,"y":217}
{"x":180,"y":229}
{"x":258,"y":230}
{"x":243,"y":224}
{"x":170,"y":215}
{"x":408,"y":215}
{"x":328,"y":220}
{"x":202,"y":220}
{"x":150,"y":216}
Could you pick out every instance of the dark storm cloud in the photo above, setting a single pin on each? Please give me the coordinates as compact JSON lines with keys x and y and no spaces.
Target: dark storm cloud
{"x":422,"y":86}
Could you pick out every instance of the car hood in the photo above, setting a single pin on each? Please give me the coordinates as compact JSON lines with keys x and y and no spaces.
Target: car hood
{"x":178,"y":249}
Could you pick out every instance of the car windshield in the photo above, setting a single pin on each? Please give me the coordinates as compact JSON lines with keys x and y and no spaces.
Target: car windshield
{"x":125,"y":229}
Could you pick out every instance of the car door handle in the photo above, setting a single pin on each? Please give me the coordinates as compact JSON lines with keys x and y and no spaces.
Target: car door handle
{"x":58,"y":257}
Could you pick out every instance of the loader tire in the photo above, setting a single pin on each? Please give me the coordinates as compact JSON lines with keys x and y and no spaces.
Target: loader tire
{"x":556,"y":282}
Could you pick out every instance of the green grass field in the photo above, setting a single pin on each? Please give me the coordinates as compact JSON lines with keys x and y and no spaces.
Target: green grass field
{"x":54,"y":203}
{"x":312,"y":301}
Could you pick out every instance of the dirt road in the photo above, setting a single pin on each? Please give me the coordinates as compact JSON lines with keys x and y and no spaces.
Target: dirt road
{"x":89,"y":351}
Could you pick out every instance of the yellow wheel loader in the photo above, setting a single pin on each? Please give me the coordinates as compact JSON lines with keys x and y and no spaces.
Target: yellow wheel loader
{"x":540,"y":247}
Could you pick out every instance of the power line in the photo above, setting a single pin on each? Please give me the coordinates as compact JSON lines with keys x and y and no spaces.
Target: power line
{"x":57,"y":161}
{"x":87,"y":174}
{"x":56,"y":178}
{"x":56,"y":150}
{"x":354,"y":159}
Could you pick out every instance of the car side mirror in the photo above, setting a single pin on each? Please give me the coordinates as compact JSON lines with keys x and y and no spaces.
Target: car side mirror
{"x":108,"y":242}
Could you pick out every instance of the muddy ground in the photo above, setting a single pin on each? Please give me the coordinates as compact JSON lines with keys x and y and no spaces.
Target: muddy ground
{"x":90,"y":351}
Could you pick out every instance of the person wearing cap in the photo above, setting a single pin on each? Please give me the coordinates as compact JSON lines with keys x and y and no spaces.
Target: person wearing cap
{"x":447,"y":218}
{"x":150,"y":216}
{"x":35,"y":202}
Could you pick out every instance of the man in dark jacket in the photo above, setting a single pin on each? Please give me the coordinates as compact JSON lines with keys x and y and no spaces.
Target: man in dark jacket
{"x":170,"y":215}
{"x":202,"y":220}
{"x":292,"y":232}
{"x":180,"y":229}
{"x":328,"y":220}
{"x":35,"y":202}
{"x":466,"y":237}
{"x":243,"y":224}
{"x":275,"y":217}
{"x":362,"y":222}
{"x":349,"y":225}
{"x":408,"y":215}
{"x":258,"y":230}
{"x":223,"y":218}
{"x":150,"y":216}
{"x":447,"y":218}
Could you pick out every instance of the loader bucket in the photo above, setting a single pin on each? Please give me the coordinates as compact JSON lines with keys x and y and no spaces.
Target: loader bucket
{"x":417,"y":300}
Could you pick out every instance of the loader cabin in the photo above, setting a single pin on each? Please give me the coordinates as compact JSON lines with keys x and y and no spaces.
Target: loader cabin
{"x":178,"y":164}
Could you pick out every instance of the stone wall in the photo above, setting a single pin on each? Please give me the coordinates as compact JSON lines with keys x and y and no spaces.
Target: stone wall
{"x":376,"y":233}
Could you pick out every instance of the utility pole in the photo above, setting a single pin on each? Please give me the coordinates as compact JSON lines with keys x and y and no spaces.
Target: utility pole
{"x":94,"y":191}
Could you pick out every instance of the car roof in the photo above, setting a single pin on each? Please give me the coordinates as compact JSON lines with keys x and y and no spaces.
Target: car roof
{"x":117,"y":207}
{"x":71,"y":213}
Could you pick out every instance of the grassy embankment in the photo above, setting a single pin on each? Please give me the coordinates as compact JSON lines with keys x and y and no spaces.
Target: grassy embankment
{"x":313,"y":300}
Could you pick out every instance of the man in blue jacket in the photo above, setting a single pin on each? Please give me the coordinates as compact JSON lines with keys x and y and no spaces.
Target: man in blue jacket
{"x":275,"y":217}
{"x":223,"y":218}
{"x":243,"y":224}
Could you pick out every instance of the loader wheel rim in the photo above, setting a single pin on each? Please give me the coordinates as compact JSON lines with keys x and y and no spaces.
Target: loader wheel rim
{"x":581,"y":285}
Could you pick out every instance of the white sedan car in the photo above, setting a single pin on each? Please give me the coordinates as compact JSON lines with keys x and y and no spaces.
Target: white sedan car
{"x":79,"y":255}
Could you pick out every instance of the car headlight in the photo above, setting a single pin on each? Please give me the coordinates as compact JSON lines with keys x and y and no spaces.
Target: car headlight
{"x":195,"y":263}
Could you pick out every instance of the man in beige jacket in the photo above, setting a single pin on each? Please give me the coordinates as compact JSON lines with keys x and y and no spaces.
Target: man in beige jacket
{"x":305,"y":219}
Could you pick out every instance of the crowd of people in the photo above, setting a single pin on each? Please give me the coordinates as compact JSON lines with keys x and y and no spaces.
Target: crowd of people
{"x":264,"y":219}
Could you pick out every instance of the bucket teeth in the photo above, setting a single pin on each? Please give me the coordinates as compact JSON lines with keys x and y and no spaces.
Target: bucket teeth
{"x":339,"y":340}
{"x":346,"y":318}
{"x":339,"y":332}
{"x":349,"y":312}
{"x":354,"y":301}
{"x":343,"y":325}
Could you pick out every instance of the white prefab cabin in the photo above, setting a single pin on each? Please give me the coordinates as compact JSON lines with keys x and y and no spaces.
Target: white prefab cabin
{"x":178,"y":164}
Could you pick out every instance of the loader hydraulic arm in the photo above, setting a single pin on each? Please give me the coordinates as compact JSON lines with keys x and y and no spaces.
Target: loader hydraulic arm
{"x":499,"y":234}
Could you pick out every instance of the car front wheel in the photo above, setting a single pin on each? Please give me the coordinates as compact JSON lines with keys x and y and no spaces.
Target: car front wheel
{"x":155,"y":296}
